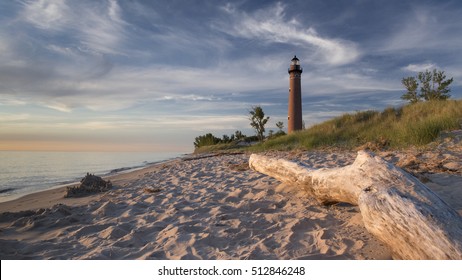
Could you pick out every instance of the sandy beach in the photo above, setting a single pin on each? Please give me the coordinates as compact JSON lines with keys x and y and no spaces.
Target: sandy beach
{"x":209,"y":208}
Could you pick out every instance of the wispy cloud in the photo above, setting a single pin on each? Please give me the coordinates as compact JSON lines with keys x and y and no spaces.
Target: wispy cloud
{"x":125,"y":87}
{"x":427,"y":27}
{"x":82,"y":78}
{"x":13,"y":117}
{"x":47,"y":14}
{"x":98,"y":26}
{"x":270,"y":25}
{"x":419,"y":67}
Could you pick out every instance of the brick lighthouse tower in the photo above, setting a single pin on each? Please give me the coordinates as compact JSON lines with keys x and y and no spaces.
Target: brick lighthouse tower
{"x":294,"y":121}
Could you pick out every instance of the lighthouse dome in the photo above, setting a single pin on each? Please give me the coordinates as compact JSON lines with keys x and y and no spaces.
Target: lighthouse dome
{"x":295,"y":65}
{"x":295,"y":61}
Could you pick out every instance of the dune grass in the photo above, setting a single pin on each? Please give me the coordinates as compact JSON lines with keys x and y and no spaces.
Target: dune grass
{"x":411,"y":125}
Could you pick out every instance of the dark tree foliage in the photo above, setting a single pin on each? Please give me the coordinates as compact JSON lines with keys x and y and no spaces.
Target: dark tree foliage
{"x":280,"y":125}
{"x":258,"y":121}
{"x":411,"y":85}
{"x":206,"y":140}
{"x":433,"y":86}
{"x":238,"y":135}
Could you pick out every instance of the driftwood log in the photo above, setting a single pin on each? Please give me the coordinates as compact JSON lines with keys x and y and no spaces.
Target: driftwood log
{"x":396,"y":207}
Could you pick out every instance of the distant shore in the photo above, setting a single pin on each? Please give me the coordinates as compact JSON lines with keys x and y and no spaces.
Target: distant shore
{"x":201,"y":208}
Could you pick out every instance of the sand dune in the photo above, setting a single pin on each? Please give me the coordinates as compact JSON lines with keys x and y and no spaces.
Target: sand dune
{"x":209,"y":208}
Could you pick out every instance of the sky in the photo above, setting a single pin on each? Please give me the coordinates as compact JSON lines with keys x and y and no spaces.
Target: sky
{"x":134,"y":75}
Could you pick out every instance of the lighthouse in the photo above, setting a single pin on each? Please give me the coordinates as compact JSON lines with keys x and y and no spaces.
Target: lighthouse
{"x":294,"y":119}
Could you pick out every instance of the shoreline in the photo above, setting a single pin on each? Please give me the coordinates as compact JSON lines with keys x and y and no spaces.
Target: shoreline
{"x":55,"y":194}
{"x":71,"y":182}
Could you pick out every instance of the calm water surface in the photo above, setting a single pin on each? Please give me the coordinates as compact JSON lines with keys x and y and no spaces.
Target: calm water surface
{"x":22,"y":173}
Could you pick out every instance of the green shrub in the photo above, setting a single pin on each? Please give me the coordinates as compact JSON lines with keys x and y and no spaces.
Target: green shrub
{"x":206,"y":140}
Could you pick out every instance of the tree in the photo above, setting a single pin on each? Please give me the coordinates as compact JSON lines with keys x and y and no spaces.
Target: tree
{"x":238,"y":135}
{"x":434,"y":86}
{"x":411,"y":85}
{"x":206,"y":140}
{"x":258,"y":121}
{"x":225,"y":139}
{"x":280,"y":125}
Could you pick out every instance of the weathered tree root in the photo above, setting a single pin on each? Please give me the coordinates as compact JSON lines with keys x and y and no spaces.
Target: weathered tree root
{"x":396,"y":207}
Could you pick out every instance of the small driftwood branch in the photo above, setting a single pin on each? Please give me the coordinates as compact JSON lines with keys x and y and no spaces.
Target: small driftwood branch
{"x":396,"y":207}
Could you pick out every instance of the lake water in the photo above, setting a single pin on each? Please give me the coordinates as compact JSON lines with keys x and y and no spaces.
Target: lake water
{"x":22,"y":173}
